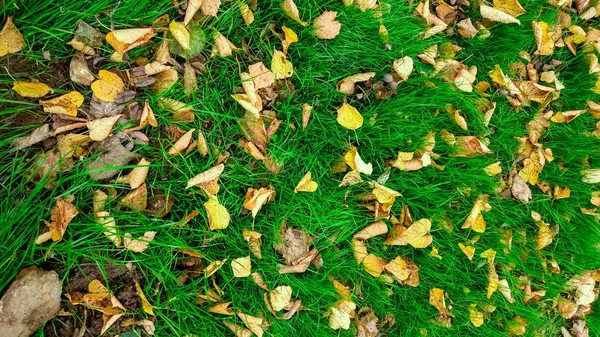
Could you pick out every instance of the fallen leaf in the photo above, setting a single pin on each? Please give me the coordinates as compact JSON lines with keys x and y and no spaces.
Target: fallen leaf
{"x":124,"y":40}
{"x":505,"y":290}
{"x":11,"y":39}
{"x":493,"y":279}
{"x":351,"y":178}
{"x":222,"y":45}
{"x":108,"y":321}
{"x":206,"y":176}
{"x":398,"y":268}
{"x":372,"y":230}
{"x":475,"y":316}
{"x":306,"y":112}
{"x":511,"y":7}
{"x":182,"y":143}
{"x":306,"y":184}
{"x":497,"y":15}
{"x":238,"y":330}
{"x":66,"y":104}
{"x":280,"y":66}
{"x":261,"y":75}
{"x":338,"y":319}
{"x":280,"y":297}
{"x":417,"y":235}
{"x":326,"y":26}
{"x":517,"y":326}
{"x":146,"y":306}
{"x":140,"y":244}
{"x":493,"y":169}
{"x":246,"y":12}
{"x":254,"y":324}
{"x":290,"y":9}
{"x":61,"y":216}
{"x":31,"y":89}
{"x":566,"y":116}
{"x":290,"y":37}
{"x":360,"y":250}
{"x":101,"y":128}
{"x":138,"y":174}
{"x":255,"y":199}
{"x":374,"y":265}
{"x":218,"y":216}
{"x":38,"y":134}
{"x":346,"y":86}
{"x":109,"y":226}
{"x":349,"y":117}
{"x":210,"y":7}
{"x":192,"y":7}
{"x":403,"y":68}
{"x":213,"y":267}
{"x":475,"y":219}
{"x":241,"y":266}
{"x":147,"y":325}
{"x":165,"y":80}
{"x":181,"y":34}
{"x":79,"y":72}
{"x":545,"y":44}
{"x":137,"y":199}
{"x":469,"y":251}
{"x":108,"y":86}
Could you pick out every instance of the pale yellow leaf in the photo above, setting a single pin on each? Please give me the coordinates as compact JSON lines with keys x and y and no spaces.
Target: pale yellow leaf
{"x":417,"y":235}
{"x":180,"y":33}
{"x":280,"y":66}
{"x":108,"y":86}
{"x":326,"y":26}
{"x":101,"y":128}
{"x":140,"y":244}
{"x":66,"y":104}
{"x":290,"y":9}
{"x":218,"y":216}
{"x":206,"y":176}
{"x":280,"y":297}
{"x":497,"y":15}
{"x":306,"y":184}
{"x":182,"y":143}
{"x":242,"y":267}
{"x":349,"y":117}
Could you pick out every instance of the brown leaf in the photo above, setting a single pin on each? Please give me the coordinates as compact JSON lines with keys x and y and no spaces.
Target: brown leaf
{"x":61,"y":215}
{"x":206,"y":176}
{"x":326,"y":26}
{"x":11,"y":39}
{"x":140,"y":244}
{"x":137,"y":199}
{"x":37,"y":135}
{"x":255,"y":199}
{"x":374,"y":229}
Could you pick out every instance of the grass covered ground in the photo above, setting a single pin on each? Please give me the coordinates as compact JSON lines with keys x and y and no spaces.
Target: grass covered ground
{"x":331,"y":214}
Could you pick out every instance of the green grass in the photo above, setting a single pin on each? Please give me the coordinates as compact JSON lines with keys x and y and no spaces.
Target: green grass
{"x":392,"y":125}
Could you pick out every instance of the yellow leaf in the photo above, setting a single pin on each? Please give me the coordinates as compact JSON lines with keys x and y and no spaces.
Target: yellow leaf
{"x":241,"y":266}
{"x":511,"y":7}
{"x":238,"y":330}
{"x":11,"y":39}
{"x":566,"y":116}
{"x":326,"y":26}
{"x":218,"y":216}
{"x":213,"y":267}
{"x":306,"y":112}
{"x":255,"y":199}
{"x":493,"y":169}
{"x":61,"y":215}
{"x":246,"y":103}
{"x":221,"y":308}
{"x":561,"y":192}
{"x":108,"y":86}
{"x":372,"y":230}
{"x":181,"y":34}
{"x":30,"y":89}
{"x":353,"y":159}
{"x":136,"y":199}
{"x":437,"y":299}
{"x":146,"y":306}
{"x":475,"y":316}
{"x":254,"y":324}
{"x":306,"y":184}
{"x":492,"y":280}
{"x":351,"y":178}
{"x":247,"y":14}
{"x":108,"y":321}
{"x":545,"y":44}
{"x":66,"y":104}
{"x":192,"y":7}
{"x":475,"y":219}
{"x":182,"y":143}
{"x":497,"y":15}
{"x":124,"y":40}
{"x":137,"y":176}
{"x":360,"y":250}
{"x":398,"y":268}
{"x":374,"y":265}
{"x":222,"y":45}
{"x":290,"y":9}
{"x":101,"y":128}
{"x":517,"y":326}
{"x":109,"y":226}
{"x":280,"y":66}
{"x":290,"y":37}
{"x":280,"y":297}
{"x":489,"y":255}
{"x":349,"y":117}
{"x":469,"y":251}
{"x":403,"y":67}
{"x":346,"y":86}
{"x":417,"y":235}
{"x":338,"y":319}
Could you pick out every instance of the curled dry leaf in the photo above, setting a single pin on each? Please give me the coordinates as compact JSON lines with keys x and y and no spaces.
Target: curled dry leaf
{"x":494,"y":14}
{"x":38,"y":134}
{"x":374,"y":265}
{"x":290,"y":9}
{"x":206,"y":176}
{"x":280,"y":297}
{"x":290,"y":37}
{"x":353,"y":159}
{"x":101,"y":128}
{"x":218,"y":216}
{"x":124,"y":40}
{"x":417,"y":235}
{"x":108,"y":86}
{"x":109,"y":226}
{"x":165,"y":80}
{"x":254,"y":324}
{"x":346,"y":86}
{"x":210,"y":7}
{"x":222,"y":45}
{"x":61,"y":216}
{"x":137,"y":199}
{"x":281,"y":67}
{"x":182,"y":143}
{"x":306,"y":184}
{"x":469,"y":251}
{"x":66,"y":104}
{"x":31,"y":89}
{"x":475,"y":219}
{"x":545,"y":44}
{"x":241,"y":266}
{"x":398,"y":268}
{"x":306,"y":112}
{"x":246,"y":12}
{"x":255,"y":199}
{"x":140,"y":244}
{"x":146,"y":306}
{"x":238,"y":330}
{"x":254,"y":241}
{"x":79,"y":72}
{"x":11,"y":39}
{"x":326,"y":26}
{"x":351,"y":178}
{"x":349,"y":117}
{"x":372,"y":230}
{"x":137,"y":176}
{"x":403,"y":67}
{"x":360,"y":250}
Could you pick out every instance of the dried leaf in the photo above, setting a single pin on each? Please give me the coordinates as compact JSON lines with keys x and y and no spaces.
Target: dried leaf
{"x":338,"y":319}
{"x":261,"y":75}
{"x":469,"y":251}
{"x":124,"y":40}
{"x":206,"y":176}
{"x":165,"y":80}
{"x":374,"y":265}
{"x":280,"y":297}
{"x":181,"y":34}
{"x":475,"y":316}
{"x":66,"y":104}
{"x":222,"y":309}
{"x":254,"y":324}
{"x":517,"y":326}
{"x":146,"y":306}
{"x":182,"y":143}
{"x":247,"y":14}
{"x":241,"y":266}
{"x":398,"y":268}
{"x":306,"y":184}
{"x":497,"y":15}
{"x":349,"y":117}
{"x":372,"y":230}
{"x":61,"y":215}
{"x":238,"y":330}
{"x":37,"y":135}
{"x":11,"y":39}
{"x":210,"y":7}
{"x":417,"y":235}
{"x":137,"y":199}
{"x":403,"y":68}
{"x":475,"y":219}
{"x":192,"y":7}
{"x":346,"y":86}
{"x":140,"y":244}
{"x":545,"y":44}
{"x":110,"y":227}
{"x":351,"y":178}
{"x":108,"y":86}
{"x":290,"y":9}
{"x":218,"y":216}
{"x":280,"y":66}
{"x":101,"y":128}
{"x":137,"y":176}
{"x":326,"y":26}
{"x":222,"y":45}
{"x":255,"y":199}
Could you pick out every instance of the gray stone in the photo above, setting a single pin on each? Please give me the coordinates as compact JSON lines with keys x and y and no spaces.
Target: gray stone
{"x":31,"y":300}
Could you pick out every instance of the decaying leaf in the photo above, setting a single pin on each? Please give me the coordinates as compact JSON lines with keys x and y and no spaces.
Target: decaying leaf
{"x":101,"y":128}
{"x":255,"y":199}
{"x":475,"y":219}
{"x":437,"y":298}
{"x":372,"y":230}
{"x":180,"y":33}
{"x":254,"y":324}
{"x":290,"y":9}
{"x":306,"y":112}
{"x":280,"y":297}
{"x":374,"y":265}
{"x":206,"y":176}
{"x":545,"y":44}
{"x":61,"y":216}
{"x":238,"y":330}
{"x":246,"y":12}
{"x":11,"y":39}
{"x":66,"y":104}
{"x":218,"y":216}
{"x":494,"y":14}
{"x":517,"y":326}
{"x":222,"y":309}
{"x":79,"y":72}
{"x":182,"y":143}
{"x":140,"y":244}
{"x":346,"y":86}
{"x":241,"y":267}
{"x":349,"y":117}
{"x":222,"y":45}
{"x":137,"y":176}
{"x":261,"y":75}
{"x":326,"y":26}
{"x":398,"y":268}
{"x":137,"y":199}
{"x":124,"y":40}
{"x":254,"y":241}
{"x":306,"y":184}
